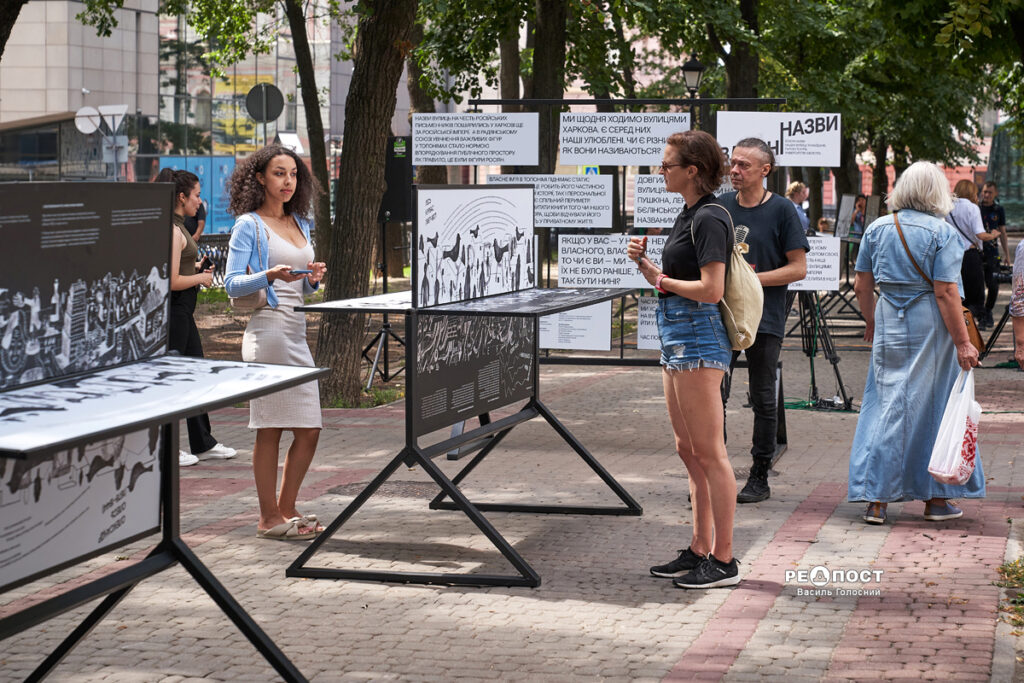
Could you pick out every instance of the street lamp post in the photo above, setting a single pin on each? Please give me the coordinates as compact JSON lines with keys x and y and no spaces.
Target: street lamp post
{"x":693,"y":71}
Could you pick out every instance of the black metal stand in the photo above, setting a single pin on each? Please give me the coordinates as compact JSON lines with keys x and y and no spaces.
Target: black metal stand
{"x":814,"y":331}
{"x":169,"y":551}
{"x":381,"y":341}
{"x":413,"y":455}
{"x":385,"y":333}
{"x":996,"y":331}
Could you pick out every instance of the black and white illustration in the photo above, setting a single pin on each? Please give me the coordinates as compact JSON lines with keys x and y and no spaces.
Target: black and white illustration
{"x":473,"y":242}
{"x":469,"y":365}
{"x":74,"y":503}
{"x":74,"y":407}
{"x":84,"y":283}
{"x":75,"y":326}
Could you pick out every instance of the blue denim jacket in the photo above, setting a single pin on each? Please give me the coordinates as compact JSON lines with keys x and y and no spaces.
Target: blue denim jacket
{"x":932,"y":241}
{"x":243,"y":256}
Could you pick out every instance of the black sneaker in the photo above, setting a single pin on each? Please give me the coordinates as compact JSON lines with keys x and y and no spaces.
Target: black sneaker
{"x":757,"y":488}
{"x":687,"y":561}
{"x":711,"y":574}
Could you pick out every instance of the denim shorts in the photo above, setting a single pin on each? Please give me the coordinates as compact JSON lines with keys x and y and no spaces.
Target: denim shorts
{"x":692,"y":335}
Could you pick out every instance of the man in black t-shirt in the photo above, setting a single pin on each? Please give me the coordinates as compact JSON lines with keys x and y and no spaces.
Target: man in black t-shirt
{"x":195,"y":224}
{"x":994,"y":219}
{"x":778,"y":253}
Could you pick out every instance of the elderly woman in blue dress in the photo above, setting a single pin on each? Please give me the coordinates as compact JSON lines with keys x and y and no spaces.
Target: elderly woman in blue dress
{"x":919,"y":343}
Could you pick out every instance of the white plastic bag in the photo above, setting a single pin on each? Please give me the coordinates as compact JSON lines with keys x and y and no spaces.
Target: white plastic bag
{"x":956,"y":446}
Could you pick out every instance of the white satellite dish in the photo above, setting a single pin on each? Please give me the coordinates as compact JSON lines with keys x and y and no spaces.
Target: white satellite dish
{"x":87,"y":120}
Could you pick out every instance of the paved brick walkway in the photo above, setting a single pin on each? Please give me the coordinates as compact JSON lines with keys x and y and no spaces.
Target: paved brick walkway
{"x":598,"y":614}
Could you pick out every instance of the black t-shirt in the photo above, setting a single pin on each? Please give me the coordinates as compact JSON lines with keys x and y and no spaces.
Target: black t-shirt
{"x":682,"y":259}
{"x":192,"y":222}
{"x":992,"y":216}
{"x":774,"y":230}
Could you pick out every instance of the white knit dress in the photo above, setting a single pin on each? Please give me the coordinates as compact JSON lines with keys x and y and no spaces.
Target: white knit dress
{"x":278,"y":335}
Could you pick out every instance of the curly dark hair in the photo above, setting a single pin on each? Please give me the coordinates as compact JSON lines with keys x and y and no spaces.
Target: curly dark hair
{"x":247,"y":193}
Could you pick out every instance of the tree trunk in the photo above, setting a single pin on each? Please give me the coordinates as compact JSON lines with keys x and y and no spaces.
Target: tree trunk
{"x":899,"y":160}
{"x":314,"y":122}
{"x":848,"y":174}
{"x":879,"y":178}
{"x":742,"y":64}
{"x":814,"y":208}
{"x":508,"y":49}
{"x":549,"y":75}
{"x":381,"y":47}
{"x":548,"y":83}
{"x":422,"y":103}
{"x":9,"y":11}
{"x":531,"y":44}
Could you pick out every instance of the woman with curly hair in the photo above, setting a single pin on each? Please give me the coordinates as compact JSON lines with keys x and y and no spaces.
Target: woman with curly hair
{"x":271,"y":193}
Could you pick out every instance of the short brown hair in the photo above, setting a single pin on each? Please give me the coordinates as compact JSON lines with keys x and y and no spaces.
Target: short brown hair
{"x":966,"y":189}
{"x":761,"y":146}
{"x":697,"y":148}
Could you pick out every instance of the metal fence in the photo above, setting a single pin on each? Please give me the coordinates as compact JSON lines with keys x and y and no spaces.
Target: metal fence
{"x":216,"y":247}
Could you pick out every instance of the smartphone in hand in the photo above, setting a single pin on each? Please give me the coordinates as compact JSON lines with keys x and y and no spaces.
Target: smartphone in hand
{"x":207,"y":262}
{"x":300,"y":272}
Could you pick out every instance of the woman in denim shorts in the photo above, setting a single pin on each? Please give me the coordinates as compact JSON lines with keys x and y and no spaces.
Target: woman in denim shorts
{"x":695,"y":353}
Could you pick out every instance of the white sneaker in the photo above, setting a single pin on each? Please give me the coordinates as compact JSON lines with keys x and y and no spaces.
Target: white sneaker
{"x":218,"y":452}
{"x":185,"y":459}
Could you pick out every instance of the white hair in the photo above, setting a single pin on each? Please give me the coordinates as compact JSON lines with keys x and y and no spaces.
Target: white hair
{"x":922,"y":187}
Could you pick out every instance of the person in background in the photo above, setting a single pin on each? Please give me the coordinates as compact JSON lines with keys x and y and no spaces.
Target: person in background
{"x":695,"y":353}
{"x":824,"y":226}
{"x":778,"y":253}
{"x":966,"y":218}
{"x":797,"y":193}
{"x":993,"y":218}
{"x":271,"y":195}
{"x":919,"y":343}
{"x":186,"y":277}
{"x":859,"y":207}
{"x":197,"y":223}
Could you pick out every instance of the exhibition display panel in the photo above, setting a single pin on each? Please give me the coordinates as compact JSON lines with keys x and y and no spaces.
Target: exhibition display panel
{"x":90,"y":402}
{"x":471,"y":325}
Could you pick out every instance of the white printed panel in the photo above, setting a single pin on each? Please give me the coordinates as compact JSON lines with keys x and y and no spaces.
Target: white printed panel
{"x":473,"y":241}
{"x":584,"y":329}
{"x":797,"y":138}
{"x":472,"y":139}
{"x":822,"y":265}
{"x":617,"y":139}
{"x":601,"y":261}
{"x":647,"y":324}
{"x":653,"y":206}
{"x":74,"y":503}
{"x":566,"y":201}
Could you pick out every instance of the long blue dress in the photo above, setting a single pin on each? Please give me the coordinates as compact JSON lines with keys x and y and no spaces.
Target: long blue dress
{"x":913,"y":364}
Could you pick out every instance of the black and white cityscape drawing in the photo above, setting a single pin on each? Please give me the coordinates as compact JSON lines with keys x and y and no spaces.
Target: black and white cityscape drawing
{"x":73,"y":326}
{"x":72,"y":503}
{"x":473,"y":242}
{"x":469,"y":365}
